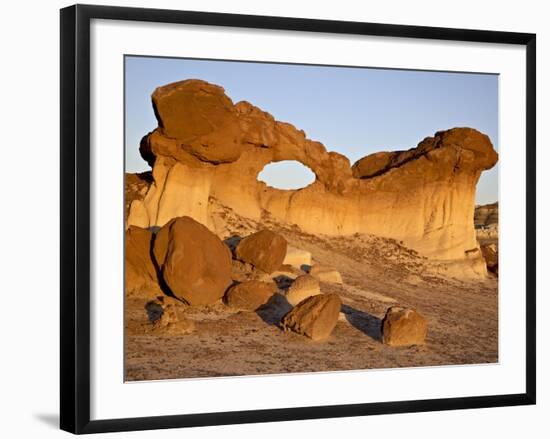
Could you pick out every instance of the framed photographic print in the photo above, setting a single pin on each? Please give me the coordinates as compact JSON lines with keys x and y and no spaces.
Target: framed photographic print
{"x":285,"y":218}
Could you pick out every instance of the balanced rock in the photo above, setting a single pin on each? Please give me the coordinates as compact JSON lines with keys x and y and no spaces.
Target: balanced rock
{"x":315,"y":317}
{"x":403,"y":327}
{"x":195,"y":263}
{"x":141,"y":275}
{"x":325,"y":274}
{"x":265,"y":250}
{"x":249,"y":295}
{"x":201,"y":117}
{"x":297,"y":257}
{"x":304,"y":286}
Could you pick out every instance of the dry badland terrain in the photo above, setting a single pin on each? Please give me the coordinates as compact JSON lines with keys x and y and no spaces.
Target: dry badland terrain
{"x":376,"y":264}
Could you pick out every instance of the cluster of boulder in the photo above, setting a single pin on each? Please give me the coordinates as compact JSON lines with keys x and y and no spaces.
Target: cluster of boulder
{"x":192,"y":265}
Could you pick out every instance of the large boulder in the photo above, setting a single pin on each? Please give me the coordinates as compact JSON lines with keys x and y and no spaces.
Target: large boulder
{"x":315,"y":317}
{"x":199,"y":118}
{"x":403,"y":327}
{"x":304,"y":286}
{"x":249,"y":295}
{"x":195,"y":263}
{"x":265,"y":250}
{"x":140,"y":273}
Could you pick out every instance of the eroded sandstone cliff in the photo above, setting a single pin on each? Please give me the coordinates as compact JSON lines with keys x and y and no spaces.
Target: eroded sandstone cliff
{"x":207,"y":147}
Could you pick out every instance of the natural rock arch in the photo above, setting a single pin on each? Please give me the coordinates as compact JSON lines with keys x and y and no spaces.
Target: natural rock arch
{"x":206,"y":146}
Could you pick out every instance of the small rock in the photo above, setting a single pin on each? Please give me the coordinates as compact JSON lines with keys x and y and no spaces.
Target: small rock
{"x":168,"y":317}
{"x":250,"y":295}
{"x":241,"y":271}
{"x":314,"y":317}
{"x":326,"y":274}
{"x":265,"y":250}
{"x":403,"y":327}
{"x":303,"y":287}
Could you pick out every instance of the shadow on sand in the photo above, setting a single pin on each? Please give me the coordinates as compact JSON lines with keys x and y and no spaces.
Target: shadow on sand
{"x":160,"y":279}
{"x":365,"y":322}
{"x":277,"y":307}
{"x":274,"y":310}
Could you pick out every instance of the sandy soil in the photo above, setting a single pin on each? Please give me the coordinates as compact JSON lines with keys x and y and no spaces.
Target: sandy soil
{"x":377,"y":273}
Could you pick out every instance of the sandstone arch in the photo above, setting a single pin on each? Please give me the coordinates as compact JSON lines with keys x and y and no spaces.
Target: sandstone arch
{"x":206,"y":146}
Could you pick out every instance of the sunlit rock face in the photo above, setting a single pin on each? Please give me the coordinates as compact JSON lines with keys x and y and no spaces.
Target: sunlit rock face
{"x":205,"y":146}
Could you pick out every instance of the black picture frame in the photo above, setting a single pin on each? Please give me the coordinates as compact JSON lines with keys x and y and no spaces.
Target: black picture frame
{"x":75,"y":217}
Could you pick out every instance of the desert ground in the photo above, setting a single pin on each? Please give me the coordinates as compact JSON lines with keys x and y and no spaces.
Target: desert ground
{"x":462,"y":317}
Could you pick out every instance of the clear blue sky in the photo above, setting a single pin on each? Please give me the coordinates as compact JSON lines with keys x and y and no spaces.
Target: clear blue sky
{"x":354,"y":111}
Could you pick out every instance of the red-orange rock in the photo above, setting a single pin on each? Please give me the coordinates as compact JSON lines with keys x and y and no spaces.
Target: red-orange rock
{"x":249,"y":295}
{"x":195,"y":263}
{"x":201,"y":118}
{"x":265,"y":250}
{"x":140,"y":272}
{"x":314,"y":317}
{"x":403,"y":327}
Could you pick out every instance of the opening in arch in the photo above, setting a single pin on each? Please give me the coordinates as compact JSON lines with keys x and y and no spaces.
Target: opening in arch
{"x":287,"y":174}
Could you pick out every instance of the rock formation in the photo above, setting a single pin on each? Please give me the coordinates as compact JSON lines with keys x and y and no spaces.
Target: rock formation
{"x":249,"y":295}
{"x":206,"y":147}
{"x":265,"y":250}
{"x":403,"y":327}
{"x":168,"y":317}
{"x":486,"y":215}
{"x":486,"y":222}
{"x":141,"y":275}
{"x":314,"y":317}
{"x":304,"y":286}
{"x":195,"y":264}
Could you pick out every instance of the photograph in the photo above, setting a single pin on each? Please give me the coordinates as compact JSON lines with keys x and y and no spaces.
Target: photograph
{"x":291,"y":218}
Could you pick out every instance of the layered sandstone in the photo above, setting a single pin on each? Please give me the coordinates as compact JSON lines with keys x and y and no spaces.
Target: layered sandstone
{"x":207,"y":147}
